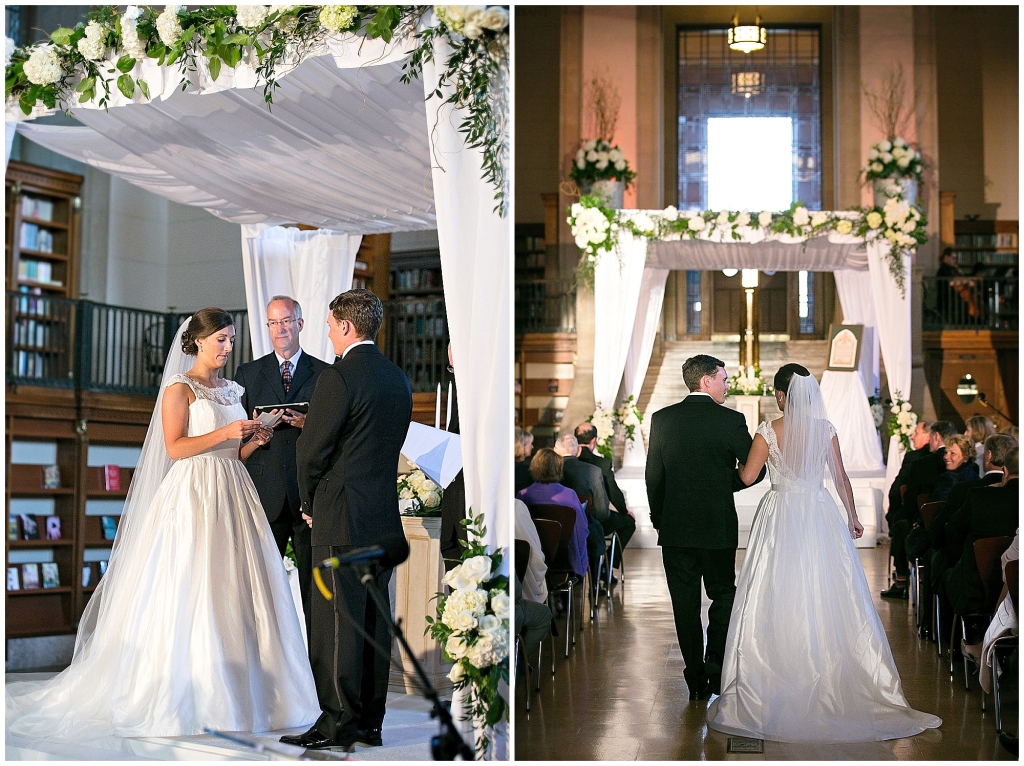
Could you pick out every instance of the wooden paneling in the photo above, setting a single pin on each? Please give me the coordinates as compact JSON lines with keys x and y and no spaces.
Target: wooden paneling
{"x":991,"y":357}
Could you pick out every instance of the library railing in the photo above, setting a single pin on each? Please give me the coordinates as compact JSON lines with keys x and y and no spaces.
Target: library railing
{"x":975,"y":303}
{"x":545,"y":306}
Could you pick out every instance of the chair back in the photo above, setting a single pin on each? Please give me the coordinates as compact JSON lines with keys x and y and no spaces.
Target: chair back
{"x":928,"y":511}
{"x":588,"y":504}
{"x":550,"y":534}
{"x":922,"y":499}
{"x":987,"y":553}
{"x":1010,"y":573}
{"x":522,"y":558}
{"x":566,"y":518}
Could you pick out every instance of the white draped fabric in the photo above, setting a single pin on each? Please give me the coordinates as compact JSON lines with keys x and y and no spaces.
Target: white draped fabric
{"x":645,"y":328}
{"x":310,"y":266}
{"x":775,"y":253}
{"x":477,"y":271}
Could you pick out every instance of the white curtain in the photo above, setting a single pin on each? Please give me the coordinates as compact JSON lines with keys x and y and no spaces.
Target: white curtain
{"x":845,"y":393}
{"x":617,"y":281}
{"x":310,"y":266}
{"x":775,"y":253}
{"x":476,"y":270}
{"x":645,"y":328}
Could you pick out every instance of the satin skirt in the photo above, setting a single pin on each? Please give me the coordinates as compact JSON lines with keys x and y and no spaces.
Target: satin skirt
{"x":806,"y":657}
{"x":198,"y":629}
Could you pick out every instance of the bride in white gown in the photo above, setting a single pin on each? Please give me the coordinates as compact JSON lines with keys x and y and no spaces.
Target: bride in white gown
{"x":806,"y":657}
{"x":193,"y":626}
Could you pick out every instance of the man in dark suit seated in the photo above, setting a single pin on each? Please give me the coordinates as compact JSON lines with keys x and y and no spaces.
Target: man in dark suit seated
{"x":921,"y":478}
{"x":619,"y":519}
{"x":920,"y":440}
{"x":585,"y":480}
{"x":989,"y":512}
{"x":286,"y":376}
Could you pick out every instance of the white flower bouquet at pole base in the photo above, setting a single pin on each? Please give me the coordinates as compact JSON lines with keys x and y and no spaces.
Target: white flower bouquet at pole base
{"x":604,"y":421}
{"x":749,"y":382}
{"x":418,"y":495}
{"x":472,"y":627}
{"x":903,"y":421}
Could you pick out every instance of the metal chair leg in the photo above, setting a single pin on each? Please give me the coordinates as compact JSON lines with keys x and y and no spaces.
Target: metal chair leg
{"x":952,"y":643}
{"x":540,"y":652}
{"x":995,"y":691}
{"x":526,"y":668}
{"x":963,"y":653}
{"x":938,"y":624}
{"x":569,"y":624}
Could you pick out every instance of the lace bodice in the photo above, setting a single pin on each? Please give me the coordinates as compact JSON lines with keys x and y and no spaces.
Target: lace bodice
{"x":776,"y":469}
{"x":213,"y":409}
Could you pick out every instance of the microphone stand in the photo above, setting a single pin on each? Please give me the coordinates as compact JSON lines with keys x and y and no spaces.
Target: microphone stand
{"x":984,"y":403}
{"x":449,"y":743}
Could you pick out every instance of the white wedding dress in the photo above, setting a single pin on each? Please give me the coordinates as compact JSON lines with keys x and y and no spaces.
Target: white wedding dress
{"x":198,"y":628}
{"x":806,"y":657}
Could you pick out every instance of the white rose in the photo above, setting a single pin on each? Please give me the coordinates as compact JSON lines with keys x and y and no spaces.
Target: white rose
{"x":42,"y":66}
{"x":801,"y":216}
{"x":898,"y":152}
{"x":873,"y":154}
{"x":168,"y":26}
{"x":456,"y":647}
{"x":670,"y":213}
{"x":500,"y":603}
{"x":465,"y":620}
{"x":602,"y":164}
{"x":844,"y":227}
{"x":406,"y":493}
{"x":898,"y":141}
{"x":903,"y":162}
{"x":251,"y":16}
{"x":909,"y":225}
{"x":620,"y":165}
{"x":743,"y":219}
{"x":489,"y":623}
{"x":582,"y":241}
{"x":580,"y":155}
{"x":477,"y":569}
{"x":590,"y":146}
{"x":819,"y":218}
{"x":581,"y":163}
{"x":456,"y":673}
{"x":884,"y":146}
{"x":877,"y":167}
{"x":874,"y":219}
{"x":890,"y":235}
{"x":885,"y":157}
{"x":765,"y":218}
{"x":495,"y":18}
{"x":615,"y":154}
{"x":432,"y":499}
{"x":591,"y":155}
{"x":644,"y":223}
{"x":696,"y":223}
{"x":576,"y":209}
{"x":603,"y":157}
{"x":723,"y":218}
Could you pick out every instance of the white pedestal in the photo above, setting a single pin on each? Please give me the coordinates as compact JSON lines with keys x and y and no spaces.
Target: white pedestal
{"x":750,"y":408}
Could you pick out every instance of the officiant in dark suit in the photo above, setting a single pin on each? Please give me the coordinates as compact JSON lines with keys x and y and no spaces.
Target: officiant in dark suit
{"x":285,"y":376}
{"x":691,"y":476}
{"x":347,"y":459}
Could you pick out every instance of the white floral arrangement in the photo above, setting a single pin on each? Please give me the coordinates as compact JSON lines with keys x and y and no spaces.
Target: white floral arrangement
{"x":604,"y":421}
{"x":893,"y":159}
{"x":629,"y":418}
{"x":903,"y":421}
{"x":473,"y":20}
{"x":878,"y":414}
{"x":472,"y":628}
{"x":749,"y":382}
{"x":598,"y":160}
{"x":418,"y":495}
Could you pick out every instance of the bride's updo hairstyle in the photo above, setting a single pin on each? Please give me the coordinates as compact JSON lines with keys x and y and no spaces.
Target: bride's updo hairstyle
{"x":204,"y":324}
{"x":786,"y":373}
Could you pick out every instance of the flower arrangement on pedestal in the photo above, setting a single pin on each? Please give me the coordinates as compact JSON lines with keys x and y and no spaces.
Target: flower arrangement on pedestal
{"x":877,"y":410}
{"x":893,"y":159}
{"x":903,"y":421}
{"x":598,"y":160}
{"x":749,"y":382}
{"x":625,"y":420}
{"x":472,"y":627}
{"x":86,"y":63}
{"x":418,"y":495}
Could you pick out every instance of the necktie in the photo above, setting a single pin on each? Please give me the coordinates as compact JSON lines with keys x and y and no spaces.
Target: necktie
{"x":286,"y":375}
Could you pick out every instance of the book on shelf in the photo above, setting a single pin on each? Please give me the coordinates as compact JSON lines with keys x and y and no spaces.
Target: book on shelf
{"x":13,"y":528}
{"x":29,"y":365}
{"x":35,"y":207}
{"x":29,"y":236}
{"x":111,"y":479}
{"x":29,"y":527}
{"x":109,"y":527}
{"x":44,"y":241}
{"x":53,"y":528}
{"x":30,"y":576}
{"x":51,"y":575}
{"x":51,"y":477}
{"x":13,"y":579}
{"x":87,"y":574}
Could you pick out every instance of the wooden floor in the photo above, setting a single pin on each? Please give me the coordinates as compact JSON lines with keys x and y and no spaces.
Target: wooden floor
{"x":621,"y":694}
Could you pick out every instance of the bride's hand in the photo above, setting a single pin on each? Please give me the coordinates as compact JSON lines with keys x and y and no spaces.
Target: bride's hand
{"x":240,"y":429}
{"x":856,"y":530}
{"x":263,"y":435}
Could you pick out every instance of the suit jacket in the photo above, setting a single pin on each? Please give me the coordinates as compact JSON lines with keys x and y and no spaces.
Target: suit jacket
{"x":691,"y":473}
{"x":967,"y":471}
{"x":901,"y":478}
{"x":586,"y":479}
{"x":272,"y":466}
{"x":954,"y":504}
{"x":347,"y":453}
{"x":611,"y":488}
{"x":990,"y":512}
{"x":921,"y":479}
{"x":523,"y":479}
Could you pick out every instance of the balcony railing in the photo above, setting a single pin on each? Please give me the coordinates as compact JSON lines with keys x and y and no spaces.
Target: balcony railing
{"x":545,"y":306}
{"x":970,"y":303}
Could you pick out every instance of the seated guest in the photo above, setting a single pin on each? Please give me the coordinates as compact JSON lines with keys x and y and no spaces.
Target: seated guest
{"x":535,"y":587}
{"x":1011,"y":430}
{"x":523,"y":450}
{"x":533,"y":621}
{"x":921,"y":479}
{"x":978,"y":429}
{"x":920,"y":440}
{"x":586,"y":480}
{"x":959,"y":459}
{"x":990,"y":512}
{"x":619,"y":520}
{"x":1004,"y":621}
{"x":546,"y":470}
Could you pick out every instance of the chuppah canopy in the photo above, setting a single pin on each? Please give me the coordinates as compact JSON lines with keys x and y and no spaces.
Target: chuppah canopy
{"x":629,"y":286}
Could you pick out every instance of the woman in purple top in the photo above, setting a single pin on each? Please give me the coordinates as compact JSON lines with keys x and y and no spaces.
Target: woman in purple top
{"x":546,"y":471}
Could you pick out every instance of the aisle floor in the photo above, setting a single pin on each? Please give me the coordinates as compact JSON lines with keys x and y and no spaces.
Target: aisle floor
{"x":621,"y":695}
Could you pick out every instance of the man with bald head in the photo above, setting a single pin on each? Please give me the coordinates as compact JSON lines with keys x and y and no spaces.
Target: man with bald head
{"x":586,"y":481}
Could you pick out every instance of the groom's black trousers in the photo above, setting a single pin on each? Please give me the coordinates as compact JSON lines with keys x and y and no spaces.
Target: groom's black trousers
{"x":351,"y":677}
{"x":684,"y":569}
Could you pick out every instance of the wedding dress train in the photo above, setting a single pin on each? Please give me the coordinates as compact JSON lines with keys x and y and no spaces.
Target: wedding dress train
{"x":806,"y":657}
{"x":198,"y":628}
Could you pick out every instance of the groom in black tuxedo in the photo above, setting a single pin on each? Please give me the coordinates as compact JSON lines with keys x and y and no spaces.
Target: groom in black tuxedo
{"x":347,"y":460}
{"x":691,"y":476}
{"x":285,"y":376}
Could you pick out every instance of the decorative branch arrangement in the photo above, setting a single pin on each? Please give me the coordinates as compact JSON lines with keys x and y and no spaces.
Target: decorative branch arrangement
{"x":85,"y":64}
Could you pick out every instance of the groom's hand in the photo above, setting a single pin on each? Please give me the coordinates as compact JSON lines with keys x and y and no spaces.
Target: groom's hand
{"x":291,"y":417}
{"x":308,"y":520}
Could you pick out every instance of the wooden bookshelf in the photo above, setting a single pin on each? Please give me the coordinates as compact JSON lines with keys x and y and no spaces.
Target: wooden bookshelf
{"x":986,"y":244}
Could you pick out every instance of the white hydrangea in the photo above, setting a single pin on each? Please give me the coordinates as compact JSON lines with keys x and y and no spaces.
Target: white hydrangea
{"x":620,"y":165}
{"x":764,"y":219}
{"x":644,"y":223}
{"x":878,"y":414}
{"x":743,"y":219}
{"x":131,"y":45}
{"x":602,"y":163}
{"x":884,"y":146}
{"x":723,"y":218}
{"x":896,"y":211}
{"x":463,"y":602}
{"x":615,"y":154}
{"x":168,"y":26}
{"x":903,"y":162}
{"x":873,"y":154}
{"x":338,"y":18}
{"x":844,"y":227}
{"x":604,"y":421}
{"x":473,"y":27}
{"x":251,"y":16}
{"x":874,"y":219}
{"x":9,"y":48}
{"x":696,"y":223}
{"x":92,"y":46}
{"x":801,"y":217}
{"x":819,"y":218}
{"x":670,"y":213}
{"x":42,"y":66}
{"x":590,"y":227}
{"x":898,"y":141}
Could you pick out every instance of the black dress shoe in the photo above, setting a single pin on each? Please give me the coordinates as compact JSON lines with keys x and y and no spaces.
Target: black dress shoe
{"x":715,"y":685}
{"x":896,"y":592}
{"x":314,"y":739}
{"x":370,"y":737}
{"x":701,"y":692}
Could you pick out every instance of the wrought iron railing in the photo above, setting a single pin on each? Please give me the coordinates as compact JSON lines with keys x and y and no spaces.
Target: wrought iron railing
{"x":545,"y":306}
{"x":952,"y":303}
{"x":61,"y":343}
{"x":416,"y":333}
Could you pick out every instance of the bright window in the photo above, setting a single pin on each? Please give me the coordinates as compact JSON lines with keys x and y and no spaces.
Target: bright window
{"x":750,"y":163}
